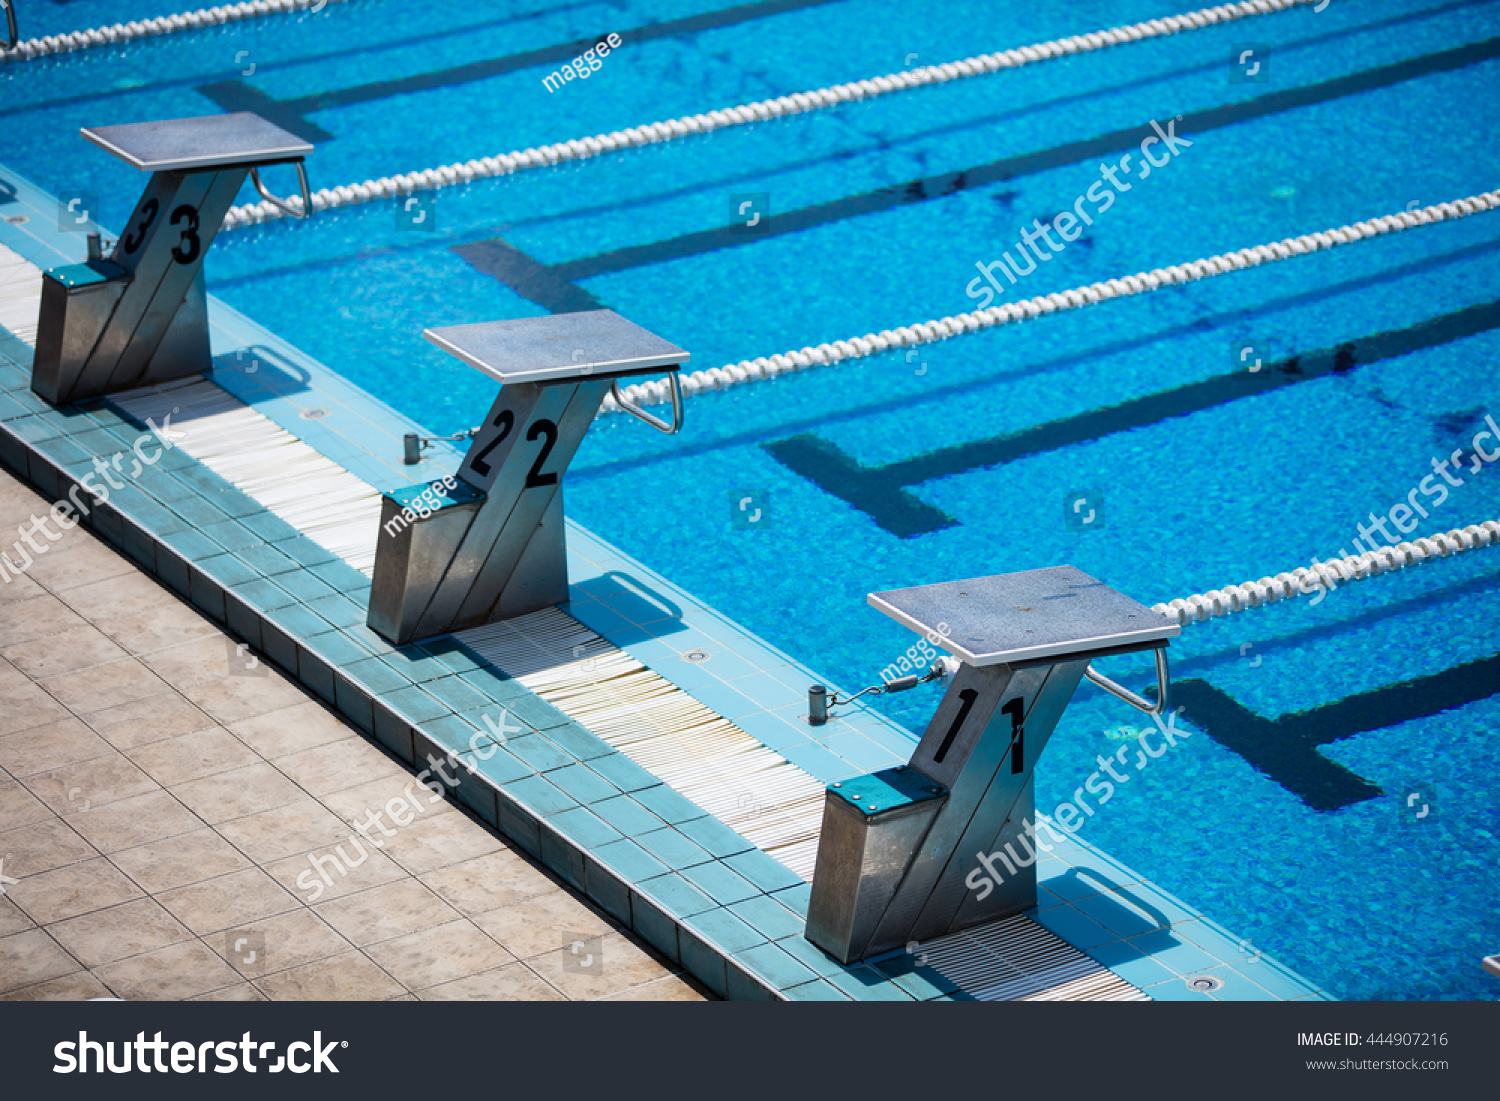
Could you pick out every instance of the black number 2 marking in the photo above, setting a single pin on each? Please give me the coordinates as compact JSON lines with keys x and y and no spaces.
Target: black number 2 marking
{"x":534,"y":476}
{"x":968,"y":695}
{"x":505,"y":421}
{"x":148,"y":215}
{"x":186,"y":251}
{"x":1016,"y":709}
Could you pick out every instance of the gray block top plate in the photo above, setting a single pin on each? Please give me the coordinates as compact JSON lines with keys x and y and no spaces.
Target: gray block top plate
{"x":591,"y":344}
{"x":1010,"y":617}
{"x":208,"y":142}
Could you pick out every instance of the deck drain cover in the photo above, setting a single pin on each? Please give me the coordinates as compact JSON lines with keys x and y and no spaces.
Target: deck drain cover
{"x":314,"y":414}
{"x":1205,"y":984}
{"x":696,"y":655}
{"x":17,"y":219}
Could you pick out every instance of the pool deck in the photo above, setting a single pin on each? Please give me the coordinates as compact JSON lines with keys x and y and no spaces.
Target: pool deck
{"x":704,"y":897}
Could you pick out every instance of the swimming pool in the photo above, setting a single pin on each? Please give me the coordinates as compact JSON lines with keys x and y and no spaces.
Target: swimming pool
{"x":1364,"y":899}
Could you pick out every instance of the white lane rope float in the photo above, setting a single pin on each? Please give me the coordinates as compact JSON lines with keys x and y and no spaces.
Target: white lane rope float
{"x":1325,"y":576}
{"x":120,"y":33}
{"x":928,"y":332}
{"x":654,"y":132}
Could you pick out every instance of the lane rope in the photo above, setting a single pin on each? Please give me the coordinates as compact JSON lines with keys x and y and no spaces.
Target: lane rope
{"x":1326,"y":576}
{"x":928,"y":332}
{"x":652,"y":133}
{"x":119,"y":33}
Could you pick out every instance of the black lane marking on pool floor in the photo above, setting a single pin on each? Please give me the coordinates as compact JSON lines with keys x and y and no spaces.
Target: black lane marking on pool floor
{"x":531,"y":279}
{"x":944,"y":184}
{"x":1285,"y":749}
{"x":881,"y":492}
{"x":236,"y":95}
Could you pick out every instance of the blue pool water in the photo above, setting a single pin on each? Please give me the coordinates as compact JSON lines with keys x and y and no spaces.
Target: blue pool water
{"x":1364,"y":899}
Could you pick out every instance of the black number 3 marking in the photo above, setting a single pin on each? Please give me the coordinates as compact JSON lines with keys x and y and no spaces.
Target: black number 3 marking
{"x":186,"y":251}
{"x":535,"y":477}
{"x":148,"y":215}
{"x":505,"y":421}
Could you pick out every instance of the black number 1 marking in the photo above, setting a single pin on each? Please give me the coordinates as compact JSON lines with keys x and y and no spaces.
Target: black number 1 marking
{"x":968,"y":695}
{"x":1016,"y":709}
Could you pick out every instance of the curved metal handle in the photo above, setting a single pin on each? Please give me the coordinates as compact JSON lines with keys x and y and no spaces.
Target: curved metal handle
{"x":10,"y":23}
{"x":655,"y":422}
{"x":1163,"y":696}
{"x":277,"y":203}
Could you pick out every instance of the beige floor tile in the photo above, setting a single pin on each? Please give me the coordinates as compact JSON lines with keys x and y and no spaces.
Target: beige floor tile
{"x":192,"y":756}
{"x":239,"y":992}
{"x":489,"y":882}
{"x":181,"y":860}
{"x":235,"y":698}
{"x":290,"y":730}
{"x":18,"y":807}
{"x":331,"y":872}
{"x":31,"y":957}
{"x":153,"y":719}
{"x":126,"y":930}
{"x":237,"y":793}
{"x":75,"y":561}
{"x":286,"y":830}
{"x":141,"y":819}
{"x":76,"y":889}
{"x":132,"y":593}
{"x":383,"y":913}
{"x":18,"y":589}
{"x":38,"y":617}
{"x":512,"y":983}
{"x":268,"y":945}
{"x":28,"y":707}
{"x":232,"y":901}
{"x":80,"y":986}
{"x":105,"y":686}
{"x":51,"y":745}
{"x":542,"y":924}
{"x":352,"y":804}
{"x":202,"y":661}
{"x":95,"y":782}
{"x":433,"y":843}
{"x":12,"y":918}
{"x":169,"y":625}
{"x":53,"y":655}
{"x":438,"y":955}
{"x":670,"y":989}
{"x":11,"y":677}
{"x":618,"y":965}
{"x":43,"y":846}
{"x":168,"y":974}
{"x":352,"y":977}
{"x":338,"y":765}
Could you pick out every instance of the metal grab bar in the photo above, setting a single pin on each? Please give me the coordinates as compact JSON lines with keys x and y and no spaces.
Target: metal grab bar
{"x":10,"y":23}
{"x":1162,"y":693}
{"x":272,"y":199}
{"x":655,"y":422}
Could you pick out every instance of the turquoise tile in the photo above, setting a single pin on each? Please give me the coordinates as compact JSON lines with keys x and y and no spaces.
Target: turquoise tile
{"x":773,"y":731}
{"x":908,"y":972}
{"x":1125,"y":960}
{"x":416,"y":665}
{"x":1238,"y":986}
{"x":816,"y":991}
{"x":795,"y":899}
{"x":584,"y":786}
{"x":191,"y":545}
{"x":725,"y":701}
{"x":1077,"y":929}
{"x":713,"y":835}
{"x":719,"y":883}
{"x":667,"y":804}
{"x":495,"y":685}
{"x":453,"y":654}
{"x":724,"y":930}
{"x":499,"y":766}
{"x":1063,"y":880}
{"x":768,"y":917}
{"x":631,"y":861}
{"x":303,"y":585}
{"x":232,"y":536}
{"x":1175,"y":990}
{"x":338,"y":610}
{"x":626,"y":815}
{"x":263,"y":595}
{"x":675,"y":893}
{"x":1170,"y":951}
{"x":672,"y":848}
{"x":416,"y":705}
{"x":810,"y":955}
{"x":376,"y":675}
{"x":818,"y":763}
{"x":1271,"y":976}
{"x":1122,"y":920}
{"x":305,"y":551}
{"x":865,"y":984}
{"x":540,"y":797}
{"x":579,"y":742}
{"x":228,"y":570}
{"x":335,"y":647}
{"x":764,"y":870}
{"x":296,"y":620}
{"x":458,"y":694}
{"x":587,"y":830}
{"x":535,"y":712}
{"x":198,"y":512}
{"x":1214,"y":941}
{"x":703,"y":961}
{"x":623,"y":773}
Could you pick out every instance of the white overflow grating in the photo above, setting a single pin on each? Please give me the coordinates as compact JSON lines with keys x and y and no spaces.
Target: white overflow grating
{"x":1016,"y":960}
{"x":20,"y":294}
